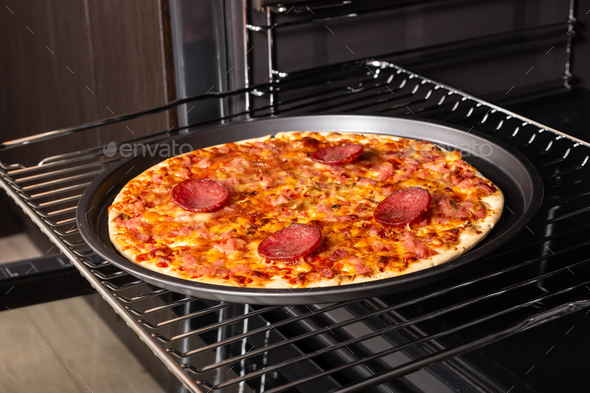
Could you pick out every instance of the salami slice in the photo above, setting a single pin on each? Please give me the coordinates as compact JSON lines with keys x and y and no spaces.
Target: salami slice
{"x":292,"y":242}
{"x":200,"y":195}
{"x":403,"y":206}
{"x":338,"y":155}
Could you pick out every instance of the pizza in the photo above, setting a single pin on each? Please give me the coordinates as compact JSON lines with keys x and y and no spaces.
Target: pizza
{"x":303,"y":210}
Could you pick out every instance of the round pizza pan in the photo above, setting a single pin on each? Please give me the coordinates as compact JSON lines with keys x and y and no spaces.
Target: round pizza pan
{"x":515,"y":175}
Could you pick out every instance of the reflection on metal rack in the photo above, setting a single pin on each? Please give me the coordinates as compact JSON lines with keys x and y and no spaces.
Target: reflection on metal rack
{"x":377,"y":343}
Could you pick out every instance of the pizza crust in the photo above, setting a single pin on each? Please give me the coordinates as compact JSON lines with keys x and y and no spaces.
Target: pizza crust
{"x":467,"y":240}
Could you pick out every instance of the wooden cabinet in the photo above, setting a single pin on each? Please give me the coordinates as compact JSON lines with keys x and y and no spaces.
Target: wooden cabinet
{"x":63,"y":63}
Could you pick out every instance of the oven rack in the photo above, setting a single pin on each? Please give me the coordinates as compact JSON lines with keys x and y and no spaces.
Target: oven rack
{"x":470,"y":48}
{"x":379,"y":343}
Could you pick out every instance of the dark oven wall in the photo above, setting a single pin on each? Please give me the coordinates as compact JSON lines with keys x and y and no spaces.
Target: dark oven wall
{"x":505,"y":50}
{"x":481,"y":47}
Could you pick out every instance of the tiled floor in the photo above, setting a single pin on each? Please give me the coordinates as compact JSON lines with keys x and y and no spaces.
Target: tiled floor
{"x":65,"y":347}
{"x":17,"y":247}
{"x":62,"y":346}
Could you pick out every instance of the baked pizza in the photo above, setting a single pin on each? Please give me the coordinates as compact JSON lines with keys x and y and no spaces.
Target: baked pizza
{"x":304,"y":209}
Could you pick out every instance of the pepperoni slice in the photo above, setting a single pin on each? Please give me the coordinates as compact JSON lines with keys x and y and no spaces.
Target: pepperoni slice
{"x":338,"y":155}
{"x":403,"y":206}
{"x":292,"y":242}
{"x":200,"y":195}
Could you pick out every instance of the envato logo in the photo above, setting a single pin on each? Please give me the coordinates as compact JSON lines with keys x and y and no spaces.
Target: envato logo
{"x":473,"y":149}
{"x":141,"y":149}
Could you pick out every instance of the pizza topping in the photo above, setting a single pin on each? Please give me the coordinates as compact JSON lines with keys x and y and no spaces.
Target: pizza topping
{"x":134,"y":224}
{"x":338,"y":155}
{"x":162,"y":264}
{"x":274,"y":185}
{"x":385,"y":170}
{"x":138,"y":206}
{"x":292,"y":242}
{"x":338,"y":254}
{"x":403,"y":206}
{"x":358,"y":265}
{"x":157,"y":178}
{"x":185,"y":231}
{"x":441,"y":166}
{"x":142,"y":237}
{"x":365,"y":181}
{"x":479,"y":212}
{"x":489,"y":189}
{"x":462,"y":175}
{"x":201,"y":271}
{"x":240,"y":269}
{"x":200,"y":195}
{"x":387,"y":189}
{"x":411,"y":244}
{"x":189,"y":261}
{"x":204,"y":163}
{"x":451,"y":209}
{"x":230,"y":245}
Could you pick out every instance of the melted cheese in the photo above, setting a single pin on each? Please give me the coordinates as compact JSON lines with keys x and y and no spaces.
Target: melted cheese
{"x":274,"y":184}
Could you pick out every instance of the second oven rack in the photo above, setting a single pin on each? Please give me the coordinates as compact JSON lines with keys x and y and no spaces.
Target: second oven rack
{"x":375,"y":343}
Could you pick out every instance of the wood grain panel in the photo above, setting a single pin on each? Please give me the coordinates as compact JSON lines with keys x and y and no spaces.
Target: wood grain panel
{"x":38,"y":92}
{"x":72,"y":350}
{"x":37,"y":42}
{"x":68,"y":62}
{"x":130,"y":64}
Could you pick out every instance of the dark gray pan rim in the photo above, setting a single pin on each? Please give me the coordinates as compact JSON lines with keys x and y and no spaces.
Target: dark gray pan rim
{"x":516,"y":176}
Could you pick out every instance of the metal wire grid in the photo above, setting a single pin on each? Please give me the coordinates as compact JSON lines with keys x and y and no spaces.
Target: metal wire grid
{"x":351,"y":346}
{"x":502,"y":42}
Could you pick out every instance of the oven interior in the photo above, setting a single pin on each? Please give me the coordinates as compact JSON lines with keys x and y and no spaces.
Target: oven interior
{"x":449,"y":336}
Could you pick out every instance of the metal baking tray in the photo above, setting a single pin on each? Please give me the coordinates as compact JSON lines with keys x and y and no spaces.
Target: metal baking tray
{"x":514,"y":174}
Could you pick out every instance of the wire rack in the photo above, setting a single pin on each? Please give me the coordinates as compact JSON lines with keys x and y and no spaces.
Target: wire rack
{"x":376,"y":344}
